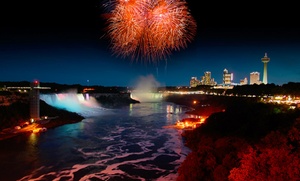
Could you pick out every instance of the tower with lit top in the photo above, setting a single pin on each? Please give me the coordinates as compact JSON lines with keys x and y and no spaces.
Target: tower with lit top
{"x":265,"y":60}
{"x":34,"y":97}
{"x":35,"y":100}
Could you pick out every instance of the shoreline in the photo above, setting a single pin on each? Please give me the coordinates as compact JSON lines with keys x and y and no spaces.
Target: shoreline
{"x":11,"y":132}
{"x":65,"y":117}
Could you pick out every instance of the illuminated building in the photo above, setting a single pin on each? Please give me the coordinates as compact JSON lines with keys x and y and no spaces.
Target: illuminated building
{"x":227,"y":77}
{"x":207,"y":80}
{"x":254,"y":78}
{"x":265,"y":60}
{"x":194,"y":82}
{"x":244,"y":81}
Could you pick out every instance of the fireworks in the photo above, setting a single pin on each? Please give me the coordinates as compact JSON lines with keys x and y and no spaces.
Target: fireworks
{"x":149,"y":29}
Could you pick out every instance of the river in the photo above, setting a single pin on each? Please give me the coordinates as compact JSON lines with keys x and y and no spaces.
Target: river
{"x":129,"y":143}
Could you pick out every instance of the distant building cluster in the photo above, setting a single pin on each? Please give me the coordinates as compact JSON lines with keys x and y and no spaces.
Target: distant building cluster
{"x":206,"y":79}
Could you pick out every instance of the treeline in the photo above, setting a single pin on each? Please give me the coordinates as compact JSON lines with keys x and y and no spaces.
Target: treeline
{"x":58,"y":88}
{"x":249,"y":141}
{"x":14,"y":114}
{"x":55,"y":88}
{"x":291,"y":88}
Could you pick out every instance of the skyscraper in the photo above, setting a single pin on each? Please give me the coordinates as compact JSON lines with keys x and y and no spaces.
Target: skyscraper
{"x":207,"y":78}
{"x":265,"y":60}
{"x":194,"y":82}
{"x":227,"y":77}
{"x":254,"y":78}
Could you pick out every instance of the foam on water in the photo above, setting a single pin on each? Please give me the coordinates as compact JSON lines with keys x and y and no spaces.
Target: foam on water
{"x":117,"y":147}
{"x":115,"y":161}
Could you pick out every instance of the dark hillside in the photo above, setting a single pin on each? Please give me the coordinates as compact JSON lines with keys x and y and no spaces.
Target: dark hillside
{"x":248,"y":141}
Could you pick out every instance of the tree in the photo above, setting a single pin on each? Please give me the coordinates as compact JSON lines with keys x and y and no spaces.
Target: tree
{"x":275,"y":158}
{"x":198,"y":165}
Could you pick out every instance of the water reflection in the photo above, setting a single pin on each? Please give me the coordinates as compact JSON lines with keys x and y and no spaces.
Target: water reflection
{"x":131,"y":142}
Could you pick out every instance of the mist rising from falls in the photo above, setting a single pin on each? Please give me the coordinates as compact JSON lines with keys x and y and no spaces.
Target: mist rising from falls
{"x":146,"y":96}
{"x":146,"y":90}
{"x":73,"y":102}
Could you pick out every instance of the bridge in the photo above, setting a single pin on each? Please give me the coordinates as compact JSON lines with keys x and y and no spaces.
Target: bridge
{"x":10,"y":88}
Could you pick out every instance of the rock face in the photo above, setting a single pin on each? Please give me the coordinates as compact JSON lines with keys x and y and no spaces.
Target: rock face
{"x":61,"y":116}
{"x":114,"y":100}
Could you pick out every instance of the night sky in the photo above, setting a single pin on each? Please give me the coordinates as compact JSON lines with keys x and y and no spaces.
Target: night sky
{"x":62,"y":41}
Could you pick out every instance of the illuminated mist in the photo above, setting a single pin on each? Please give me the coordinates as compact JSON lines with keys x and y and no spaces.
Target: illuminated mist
{"x":74,"y":102}
{"x":146,"y":90}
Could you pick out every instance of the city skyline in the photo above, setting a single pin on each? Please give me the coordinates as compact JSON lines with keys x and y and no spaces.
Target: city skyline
{"x":233,"y":81}
{"x":66,"y":45}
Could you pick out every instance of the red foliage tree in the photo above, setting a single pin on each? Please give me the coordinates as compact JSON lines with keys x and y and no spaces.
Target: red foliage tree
{"x":276,"y":158}
{"x":198,"y":165}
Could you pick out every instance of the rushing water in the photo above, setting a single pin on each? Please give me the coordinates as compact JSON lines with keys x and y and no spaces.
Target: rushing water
{"x":131,"y":143}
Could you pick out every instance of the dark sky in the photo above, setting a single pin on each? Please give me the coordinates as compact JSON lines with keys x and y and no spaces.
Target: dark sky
{"x":60,"y":41}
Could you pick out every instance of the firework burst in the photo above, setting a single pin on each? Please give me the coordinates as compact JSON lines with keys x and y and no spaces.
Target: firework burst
{"x":149,"y":30}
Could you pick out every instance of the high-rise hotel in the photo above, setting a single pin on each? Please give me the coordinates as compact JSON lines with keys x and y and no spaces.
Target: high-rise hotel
{"x":254,"y":78}
{"x":227,"y":78}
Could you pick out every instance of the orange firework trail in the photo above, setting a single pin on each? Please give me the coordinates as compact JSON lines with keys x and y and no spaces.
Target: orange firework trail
{"x":149,"y":29}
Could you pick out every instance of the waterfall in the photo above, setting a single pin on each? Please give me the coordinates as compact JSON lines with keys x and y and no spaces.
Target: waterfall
{"x":146,"y":96}
{"x":145,"y":90}
{"x":82,"y":104}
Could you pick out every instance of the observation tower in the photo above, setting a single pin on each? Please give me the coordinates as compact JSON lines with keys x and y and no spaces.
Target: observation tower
{"x":265,"y":60}
{"x":34,"y":97}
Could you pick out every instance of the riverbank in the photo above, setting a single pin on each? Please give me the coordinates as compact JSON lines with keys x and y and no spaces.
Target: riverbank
{"x":222,"y":146}
{"x":62,"y":117}
{"x":206,"y":105}
{"x":15,"y":115}
{"x":32,"y":128}
{"x":201,"y":105}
